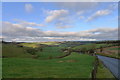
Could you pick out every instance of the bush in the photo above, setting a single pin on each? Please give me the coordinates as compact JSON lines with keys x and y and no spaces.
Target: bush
{"x":31,"y":51}
{"x":39,"y":48}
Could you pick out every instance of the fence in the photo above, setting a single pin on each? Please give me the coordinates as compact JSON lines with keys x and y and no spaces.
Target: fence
{"x":94,"y":71}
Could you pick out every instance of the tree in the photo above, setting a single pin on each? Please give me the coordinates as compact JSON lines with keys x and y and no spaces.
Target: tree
{"x":101,"y":49}
{"x":31,"y":51}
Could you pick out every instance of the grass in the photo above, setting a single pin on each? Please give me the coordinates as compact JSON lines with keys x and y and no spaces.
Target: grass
{"x":90,"y":46}
{"x":33,"y":45}
{"x":103,"y":72}
{"x":50,"y":52}
{"x":0,"y":68}
{"x":114,"y":49}
{"x":73,"y":66}
{"x":11,"y":50}
{"x":36,"y":44}
{"x":50,"y":43}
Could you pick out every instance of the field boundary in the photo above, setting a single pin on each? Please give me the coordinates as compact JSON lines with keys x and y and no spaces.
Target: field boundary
{"x":94,"y":71}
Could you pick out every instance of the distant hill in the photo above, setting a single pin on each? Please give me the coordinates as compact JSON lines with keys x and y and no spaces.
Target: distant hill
{"x":12,"y":50}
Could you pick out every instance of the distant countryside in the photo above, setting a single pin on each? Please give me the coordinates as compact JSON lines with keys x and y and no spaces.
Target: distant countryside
{"x":58,"y":40}
{"x":68,"y":59}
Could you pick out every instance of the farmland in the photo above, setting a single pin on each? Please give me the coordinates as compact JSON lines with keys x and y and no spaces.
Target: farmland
{"x":11,"y":50}
{"x":18,"y":63}
{"x":110,"y":52}
{"x":54,"y":68}
{"x":42,"y":60}
{"x":50,"y":52}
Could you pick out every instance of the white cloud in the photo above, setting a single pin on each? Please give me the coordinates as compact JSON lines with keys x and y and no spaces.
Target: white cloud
{"x":60,"y":18}
{"x":63,"y":27}
{"x":14,"y":30}
{"x":19,"y":32}
{"x":55,"y":14}
{"x":30,"y":24}
{"x":28,"y":7}
{"x":98,"y":14}
{"x":80,"y":12}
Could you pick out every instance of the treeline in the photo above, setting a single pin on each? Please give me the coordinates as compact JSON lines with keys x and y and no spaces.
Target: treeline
{"x":109,"y":42}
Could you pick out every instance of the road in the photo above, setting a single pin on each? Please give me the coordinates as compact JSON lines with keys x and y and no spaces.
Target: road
{"x":112,"y":64}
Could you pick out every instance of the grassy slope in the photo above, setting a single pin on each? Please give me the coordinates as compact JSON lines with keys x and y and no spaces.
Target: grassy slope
{"x":33,"y":45}
{"x":50,"y":52}
{"x":0,"y":68}
{"x":50,"y":43}
{"x":90,"y":46}
{"x":73,"y":66}
{"x":11,"y":50}
{"x":103,"y":72}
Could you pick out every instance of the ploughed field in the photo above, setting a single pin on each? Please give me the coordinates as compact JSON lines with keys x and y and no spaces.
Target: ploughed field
{"x":18,"y":63}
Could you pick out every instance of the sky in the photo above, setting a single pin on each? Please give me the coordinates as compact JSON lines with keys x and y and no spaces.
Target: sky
{"x":59,"y":21}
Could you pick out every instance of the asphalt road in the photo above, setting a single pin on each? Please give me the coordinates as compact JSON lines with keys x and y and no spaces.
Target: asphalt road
{"x":112,"y":64}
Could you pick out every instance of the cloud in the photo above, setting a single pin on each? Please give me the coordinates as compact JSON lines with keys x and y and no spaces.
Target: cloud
{"x":55,"y":14}
{"x":103,"y":34}
{"x":98,"y":14}
{"x":44,"y":39}
{"x":77,"y":6}
{"x":60,"y":18}
{"x":63,"y":27}
{"x":80,"y":12}
{"x":30,"y":24}
{"x":28,"y":7}
{"x":18,"y":32}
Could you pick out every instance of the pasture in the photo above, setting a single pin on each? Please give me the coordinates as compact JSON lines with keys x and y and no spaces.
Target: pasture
{"x":73,"y":66}
{"x":19,"y":63}
{"x":50,"y":52}
{"x":11,"y":50}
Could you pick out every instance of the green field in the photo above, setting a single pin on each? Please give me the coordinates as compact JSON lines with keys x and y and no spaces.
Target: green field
{"x":11,"y":50}
{"x":50,"y":52}
{"x":36,"y":44}
{"x":33,"y":45}
{"x":90,"y":46}
{"x":50,"y":43}
{"x":114,"y":49}
{"x":73,"y":66}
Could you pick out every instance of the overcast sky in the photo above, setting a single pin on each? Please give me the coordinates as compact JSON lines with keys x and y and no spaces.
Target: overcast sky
{"x":59,"y":21}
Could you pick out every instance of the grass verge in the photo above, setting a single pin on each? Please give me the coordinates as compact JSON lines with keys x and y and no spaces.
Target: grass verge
{"x":103,"y":72}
